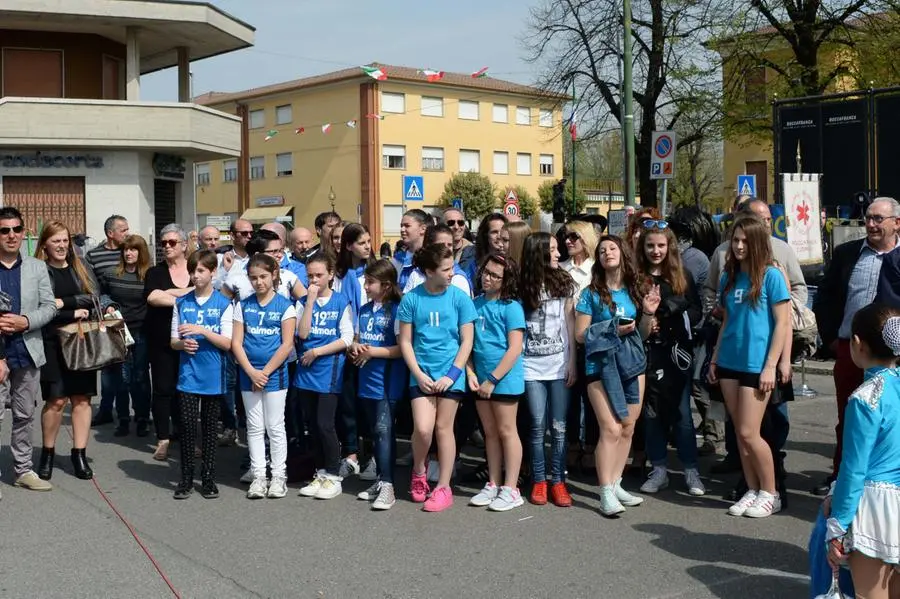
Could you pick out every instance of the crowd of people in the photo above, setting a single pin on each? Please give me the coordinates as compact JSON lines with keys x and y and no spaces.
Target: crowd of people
{"x":600,"y":341}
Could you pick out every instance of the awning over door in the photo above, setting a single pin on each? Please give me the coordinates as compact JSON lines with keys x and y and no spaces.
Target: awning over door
{"x":268,"y":214}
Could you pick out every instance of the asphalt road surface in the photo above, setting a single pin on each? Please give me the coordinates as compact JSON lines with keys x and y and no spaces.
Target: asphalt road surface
{"x":71,"y":542}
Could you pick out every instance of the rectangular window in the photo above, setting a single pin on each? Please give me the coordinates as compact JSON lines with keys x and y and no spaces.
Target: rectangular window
{"x":523,"y":164}
{"x":257,"y":167}
{"x":523,"y":115}
{"x":391,"y":217}
{"x":469,"y":161}
{"x":432,"y":106}
{"x":468,"y":110}
{"x":546,"y":118}
{"x":284,"y":114}
{"x":203,"y":174}
{"x":284,"y":164}
{"x":501,"y":113}
{"x":230,"y":168}
{"x":391,"y":102}
{"x":257,"y":119}
{"x":32,"y":73}
{"x":432,"y":159}
{"x":546,"y":164}
{"x":755,"y":86}
{"x":501,"y":163}
{"x":393,"y":156}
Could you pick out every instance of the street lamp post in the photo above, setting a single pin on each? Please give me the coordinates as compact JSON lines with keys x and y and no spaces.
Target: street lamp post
{"x":331,"y":196}
{"x":626,"y":100}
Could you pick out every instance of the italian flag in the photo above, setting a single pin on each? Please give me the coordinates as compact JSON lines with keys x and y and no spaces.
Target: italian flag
{"x":351,"y":124}
{"x":573,"y":125}
{"x":375,"y":73}
{"x":482,"y":72}
{"x":299,"y":130}
{"x":270,"y":134}
{"x":372,"y":115}
{"x":433,"y":76}
{"x":326,"y":127}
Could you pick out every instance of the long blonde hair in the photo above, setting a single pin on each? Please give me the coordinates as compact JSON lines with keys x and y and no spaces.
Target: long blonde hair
{"x":81,"y":272}
{"x":588,"y":234}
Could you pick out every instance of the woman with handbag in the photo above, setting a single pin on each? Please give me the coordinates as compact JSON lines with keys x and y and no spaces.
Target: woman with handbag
{"x":75,"y":289}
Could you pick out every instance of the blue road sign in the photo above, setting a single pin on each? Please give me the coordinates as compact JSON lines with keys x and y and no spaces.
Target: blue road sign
{"x":663,"y":146}
{"x":413,"y":189}
{"x":746,"y":185}
{"x":457,"y":203}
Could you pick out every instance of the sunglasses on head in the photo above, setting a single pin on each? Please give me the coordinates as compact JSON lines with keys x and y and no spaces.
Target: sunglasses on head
{"x":8,"y":230}
{"x":170,"y":243}
{"x":458,"y":223}
{"x":573,"y":237}
{"x":651,"y":223}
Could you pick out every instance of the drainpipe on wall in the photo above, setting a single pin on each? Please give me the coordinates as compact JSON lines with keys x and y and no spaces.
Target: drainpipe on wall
{"x":243,"y":174}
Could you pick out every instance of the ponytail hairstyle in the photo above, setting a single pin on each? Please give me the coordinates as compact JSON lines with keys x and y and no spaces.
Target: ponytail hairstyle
{"x":431,"y":256}
{"x":878,"y":326}
{"x":350,"y":235}
{"x":509,"y":287}
{"x":384,"y":272}
{"x":539,"y":277}
{"x":266,"y":262}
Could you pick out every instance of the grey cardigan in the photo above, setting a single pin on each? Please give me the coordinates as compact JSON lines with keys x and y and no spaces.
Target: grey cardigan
{"x":38,"y":305}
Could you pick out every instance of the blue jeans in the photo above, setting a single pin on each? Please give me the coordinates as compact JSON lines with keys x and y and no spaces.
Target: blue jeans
{"x":682,"y":422}
{"x":384,"y":444}
{"x":227,"y":400}
{"x":548,"y":397}
{"x":133,"y":377}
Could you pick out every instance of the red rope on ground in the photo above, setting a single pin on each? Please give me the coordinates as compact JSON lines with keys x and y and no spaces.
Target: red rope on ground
{"x":134,"y":534}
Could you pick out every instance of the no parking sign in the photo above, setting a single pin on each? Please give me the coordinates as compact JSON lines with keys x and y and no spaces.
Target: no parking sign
{"x":662,"y":158}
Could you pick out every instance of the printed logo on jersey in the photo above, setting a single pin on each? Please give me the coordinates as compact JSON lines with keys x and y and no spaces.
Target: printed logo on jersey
{"x":320,"y":320}
{"x":263,"y":322}
{"x":374,"y":324}
{"x":738,"y":296}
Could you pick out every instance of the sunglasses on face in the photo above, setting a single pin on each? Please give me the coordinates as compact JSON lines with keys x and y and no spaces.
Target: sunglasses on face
{"x":651,"y":223}
{"x":458,"y":223}
{"x":170,"y":243}
{"x":573,"y":237}
{"x":7,"y":230}
{"x":244,"y":233}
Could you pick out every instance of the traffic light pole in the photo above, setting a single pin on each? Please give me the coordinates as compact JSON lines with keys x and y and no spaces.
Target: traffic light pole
{"x":628,"y":116}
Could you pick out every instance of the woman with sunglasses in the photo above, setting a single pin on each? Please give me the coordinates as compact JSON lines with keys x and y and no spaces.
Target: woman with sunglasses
{"x":667,"y":396}
{"x":163,"y":284}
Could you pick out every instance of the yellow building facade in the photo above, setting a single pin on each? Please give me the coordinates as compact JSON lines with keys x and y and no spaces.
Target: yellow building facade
{"x":346,"y":136}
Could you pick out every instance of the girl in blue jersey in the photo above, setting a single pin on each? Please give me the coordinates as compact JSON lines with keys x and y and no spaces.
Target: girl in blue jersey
{"x":496,"y":372}
{"x":324,"y":332}
{"x":201,"y":331}
{"x":441,"y":235}
{"x":262,"y":341}
{"x":865,"y":506}
{"x":354,"y":255}
{"x":613,"y":299}
{"x":436,"y":336}
{"x":750,"y":355}
{"x":412,"y":234}
{"x":383,"y":378}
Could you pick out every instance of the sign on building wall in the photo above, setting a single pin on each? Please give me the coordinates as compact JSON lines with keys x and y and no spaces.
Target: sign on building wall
{"x":617,"y":221}
{"x":803,"y":216}
{"x":270,"y":201}
{"x":168,"y":166}
{"x":44,"y":160}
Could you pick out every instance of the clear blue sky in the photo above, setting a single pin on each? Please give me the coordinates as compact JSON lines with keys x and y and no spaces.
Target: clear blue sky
{"x":298,"y":38}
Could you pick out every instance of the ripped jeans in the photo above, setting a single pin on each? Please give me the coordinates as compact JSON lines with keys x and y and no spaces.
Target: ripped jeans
{"x":548,"y":397}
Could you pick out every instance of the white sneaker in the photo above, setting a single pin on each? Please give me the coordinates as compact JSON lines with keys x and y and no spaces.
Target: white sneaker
{"x":694,"y":484}
{"x":507,"y":499}
{"x":349,"y":467}
{"x":626,"y":498}
{"x":248,"y":476}
{"x":313,"y":487}
{"x":386,"y":498}
{"x":485,"y":496}
{"x":370,"y":472}
{"x":277,"y":488}
{"x":331,"y":487}
{"x":657,"y":481}
{"x":765,"y":505}
{"x":739,"y":508}
{"x":371,"y":493}
{"x":258,"y":489}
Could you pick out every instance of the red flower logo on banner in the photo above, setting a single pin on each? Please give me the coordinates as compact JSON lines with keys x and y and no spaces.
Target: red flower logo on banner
{"x":803,"y":213}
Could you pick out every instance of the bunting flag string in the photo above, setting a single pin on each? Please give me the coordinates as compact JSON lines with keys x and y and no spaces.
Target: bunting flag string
{"x":375,"y":73}
{"x":326,"y":127}
{"x":271,"y":133}
{"x":480,"y":73}
{"x":432,"y":76}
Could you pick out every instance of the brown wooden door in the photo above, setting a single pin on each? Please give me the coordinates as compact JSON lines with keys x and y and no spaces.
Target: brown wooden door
{"x":113,"y":80}
{"x":32,"y":73}
{"x":43,"y":199}
{"x":760,"y":168}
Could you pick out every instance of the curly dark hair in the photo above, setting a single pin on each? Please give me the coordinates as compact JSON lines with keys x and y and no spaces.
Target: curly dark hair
{"x":630,"y":277}
{"x":509,"y":288}
{"x":539,"y":277}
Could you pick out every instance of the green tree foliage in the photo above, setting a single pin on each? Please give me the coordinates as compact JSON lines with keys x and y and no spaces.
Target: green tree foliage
{"x":545,"y":193}
{"x":478,"y":192}
{"x":528,"y":205}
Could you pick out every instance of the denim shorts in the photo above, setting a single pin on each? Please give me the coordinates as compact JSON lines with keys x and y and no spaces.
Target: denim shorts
{"x":415,"y":392}
{"x":597,"y":378}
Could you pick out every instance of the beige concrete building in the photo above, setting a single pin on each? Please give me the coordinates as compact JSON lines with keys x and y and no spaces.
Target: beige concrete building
{"x":380,"y":131}
{"x":76,"y":142}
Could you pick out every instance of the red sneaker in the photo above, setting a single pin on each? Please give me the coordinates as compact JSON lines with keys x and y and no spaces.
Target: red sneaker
{"x":418,"y":487}
{"x":559,"y":494}
{"x":539,"y":493}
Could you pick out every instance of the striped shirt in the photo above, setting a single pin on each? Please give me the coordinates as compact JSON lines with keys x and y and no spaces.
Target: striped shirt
{"x":103,"y":260}
{"x":127,"y":291}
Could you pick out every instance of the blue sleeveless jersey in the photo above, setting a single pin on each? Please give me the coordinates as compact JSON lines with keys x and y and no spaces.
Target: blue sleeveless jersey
{"x":381,"y":378}
{"x":326,"y":373}
{"x":204,"y":372}
{"x":262,"y":338}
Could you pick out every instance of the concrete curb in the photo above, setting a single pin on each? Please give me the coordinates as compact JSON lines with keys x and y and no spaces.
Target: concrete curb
{"x":816,"y":367}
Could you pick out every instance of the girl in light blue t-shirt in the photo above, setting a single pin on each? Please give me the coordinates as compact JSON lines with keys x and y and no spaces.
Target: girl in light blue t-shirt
{"x":496,"y":372}
{"x":752,"y":352}
{"x":436,"y":336}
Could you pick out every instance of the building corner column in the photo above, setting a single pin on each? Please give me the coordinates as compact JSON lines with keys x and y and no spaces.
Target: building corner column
{"x":184,"y":75}
{"x":132,"y":65}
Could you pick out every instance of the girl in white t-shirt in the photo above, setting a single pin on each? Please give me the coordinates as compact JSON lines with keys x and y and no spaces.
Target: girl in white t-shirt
{"x":547,"y":298}
{"x":237,"y":283}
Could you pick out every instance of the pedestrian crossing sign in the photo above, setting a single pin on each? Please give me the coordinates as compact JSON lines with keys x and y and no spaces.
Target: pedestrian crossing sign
{"x":746,"y":185}
{"x":413,"y":189}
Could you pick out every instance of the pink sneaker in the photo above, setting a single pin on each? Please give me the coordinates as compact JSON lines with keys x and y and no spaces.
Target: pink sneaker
{"x":418,"y":487}
{"x":440,"y":500}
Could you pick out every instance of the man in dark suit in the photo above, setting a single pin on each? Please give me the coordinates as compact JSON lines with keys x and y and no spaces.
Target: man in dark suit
{"x":851,"y":282}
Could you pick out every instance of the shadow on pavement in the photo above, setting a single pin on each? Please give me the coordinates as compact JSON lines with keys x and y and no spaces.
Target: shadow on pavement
{"x":728,"y":583}
{"x":826,"y":450}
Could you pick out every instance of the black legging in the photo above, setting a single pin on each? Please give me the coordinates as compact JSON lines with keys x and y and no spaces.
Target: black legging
{"x":164,"y":376}
{"x":206,"y":407}
{"x":321,"y":409}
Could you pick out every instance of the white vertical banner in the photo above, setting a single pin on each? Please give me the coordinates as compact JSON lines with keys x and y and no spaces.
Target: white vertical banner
{"x":803,"y":217}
